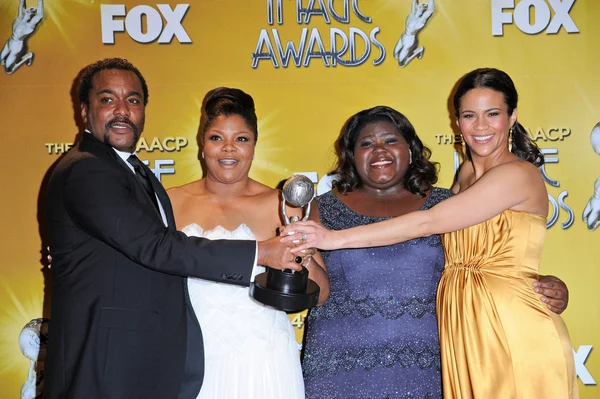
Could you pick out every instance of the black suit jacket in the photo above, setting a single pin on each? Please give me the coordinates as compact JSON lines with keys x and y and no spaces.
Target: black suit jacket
{"x":120,"y":312}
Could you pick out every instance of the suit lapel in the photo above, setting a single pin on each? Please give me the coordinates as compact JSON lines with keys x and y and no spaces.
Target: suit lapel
{"x":91,"y":144}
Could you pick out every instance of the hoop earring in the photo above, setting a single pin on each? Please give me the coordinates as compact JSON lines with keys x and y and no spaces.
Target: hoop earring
{"x":510,"y":139}
{"x":409,"y":156}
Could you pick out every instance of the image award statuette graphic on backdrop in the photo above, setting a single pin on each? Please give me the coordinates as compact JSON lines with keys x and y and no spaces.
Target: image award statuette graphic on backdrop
{"x":408,"y":47}
{"x":33,"y":340}
{"x":289,"y":290}
{"x":591,"y":213}
{"x":16,"y":50}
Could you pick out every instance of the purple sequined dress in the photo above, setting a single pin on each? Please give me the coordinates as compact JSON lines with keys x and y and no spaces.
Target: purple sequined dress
{"x":376,"y":336}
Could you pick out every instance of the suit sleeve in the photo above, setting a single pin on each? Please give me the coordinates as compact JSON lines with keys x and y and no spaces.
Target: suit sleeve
{"x":100,"y":201}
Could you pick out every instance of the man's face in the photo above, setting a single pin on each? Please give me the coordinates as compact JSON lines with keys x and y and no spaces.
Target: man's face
{"x":116,"y":113}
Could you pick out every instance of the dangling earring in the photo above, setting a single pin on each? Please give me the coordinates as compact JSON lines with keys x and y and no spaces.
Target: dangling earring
{"x":510,"y":139}
{"x":462,"y":143}
{"x":409,"y":156}
{"x":202,"y":154}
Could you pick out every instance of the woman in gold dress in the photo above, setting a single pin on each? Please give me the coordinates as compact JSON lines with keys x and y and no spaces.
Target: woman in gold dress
{"x":497,"y":339}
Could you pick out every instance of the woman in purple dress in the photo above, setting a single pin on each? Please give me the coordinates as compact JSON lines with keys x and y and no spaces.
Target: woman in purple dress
{"x":376,"y":336}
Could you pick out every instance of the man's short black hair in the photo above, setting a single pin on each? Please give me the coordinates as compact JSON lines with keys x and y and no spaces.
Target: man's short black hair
{"x":85,"y":82}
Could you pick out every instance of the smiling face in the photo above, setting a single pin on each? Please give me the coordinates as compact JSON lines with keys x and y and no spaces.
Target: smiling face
{"x":484,"y":121}
{"x":381,"y":156}
{"x":228,"y":148}
{"x":115,"y":114}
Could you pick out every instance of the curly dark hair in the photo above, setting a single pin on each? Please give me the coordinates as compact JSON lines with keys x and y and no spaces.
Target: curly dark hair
{"x":421,"y":174}
{"x":497,"y":80}
{"x":227,"y":101}
{"x":85,"y":80}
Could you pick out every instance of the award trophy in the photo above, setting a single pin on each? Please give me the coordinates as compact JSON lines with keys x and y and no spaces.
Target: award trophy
{"x":288,"y":289}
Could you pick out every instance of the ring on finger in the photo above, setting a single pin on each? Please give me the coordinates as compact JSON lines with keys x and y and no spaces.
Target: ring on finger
{"x":303,"y":235}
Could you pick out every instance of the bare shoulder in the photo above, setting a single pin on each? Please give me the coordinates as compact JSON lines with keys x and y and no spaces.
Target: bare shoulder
{"x":181,"y":193}
{"x":263,"y":196}
{"x":519,"y":170}
{"x":262,"y":191}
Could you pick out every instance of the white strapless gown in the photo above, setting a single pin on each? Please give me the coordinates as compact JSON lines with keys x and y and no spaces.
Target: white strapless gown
{"x":250,"y":349}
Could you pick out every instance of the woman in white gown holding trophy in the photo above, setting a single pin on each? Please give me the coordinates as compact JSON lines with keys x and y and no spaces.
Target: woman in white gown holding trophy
{"x":250,"y":349}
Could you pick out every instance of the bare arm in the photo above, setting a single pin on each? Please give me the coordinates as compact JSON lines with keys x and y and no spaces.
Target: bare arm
{"x":507,"y":186}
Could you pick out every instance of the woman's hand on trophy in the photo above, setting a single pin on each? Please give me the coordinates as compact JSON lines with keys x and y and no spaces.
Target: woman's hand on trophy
{"x":309,"y":235}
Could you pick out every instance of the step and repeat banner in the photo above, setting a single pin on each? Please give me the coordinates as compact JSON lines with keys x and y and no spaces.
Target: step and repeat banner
{"x":309,"y":64}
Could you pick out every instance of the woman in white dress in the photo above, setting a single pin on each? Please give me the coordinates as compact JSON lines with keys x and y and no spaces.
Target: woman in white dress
{"x":250,"y":349}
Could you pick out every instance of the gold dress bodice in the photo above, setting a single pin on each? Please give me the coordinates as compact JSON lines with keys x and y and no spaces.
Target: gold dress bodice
{"x":498,"y":340}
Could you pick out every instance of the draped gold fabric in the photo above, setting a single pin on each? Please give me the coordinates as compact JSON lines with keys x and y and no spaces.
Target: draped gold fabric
{"x":497,"y":339}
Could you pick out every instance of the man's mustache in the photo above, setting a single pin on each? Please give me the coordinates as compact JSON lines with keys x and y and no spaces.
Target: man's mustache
{"x":120,"y":119}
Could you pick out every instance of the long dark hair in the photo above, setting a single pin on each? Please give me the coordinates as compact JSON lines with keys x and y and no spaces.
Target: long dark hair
{"x":227,"y":101}
{"x":497,"y":80}
{"x":421,"y":174}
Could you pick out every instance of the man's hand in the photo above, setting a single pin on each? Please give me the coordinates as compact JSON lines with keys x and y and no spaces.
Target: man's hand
{"x":554,"y":293}
{"x":277,"y":255}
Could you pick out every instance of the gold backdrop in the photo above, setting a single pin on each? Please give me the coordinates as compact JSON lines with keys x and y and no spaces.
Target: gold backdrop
{"x":309,"y":64}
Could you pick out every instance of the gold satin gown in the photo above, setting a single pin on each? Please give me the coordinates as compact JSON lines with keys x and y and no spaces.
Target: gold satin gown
{"x":497,"y":339}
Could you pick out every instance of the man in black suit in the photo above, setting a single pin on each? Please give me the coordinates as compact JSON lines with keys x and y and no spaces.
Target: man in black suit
{"x":121,"y":323}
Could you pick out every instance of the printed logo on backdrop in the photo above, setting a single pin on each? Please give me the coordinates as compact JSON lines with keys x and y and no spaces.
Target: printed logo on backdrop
{"x":163,"y":166}
{"x":533,"y":16}
{"x":344,"y":43}
{"x":16,"y":50}
{"x":162,"y":23}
